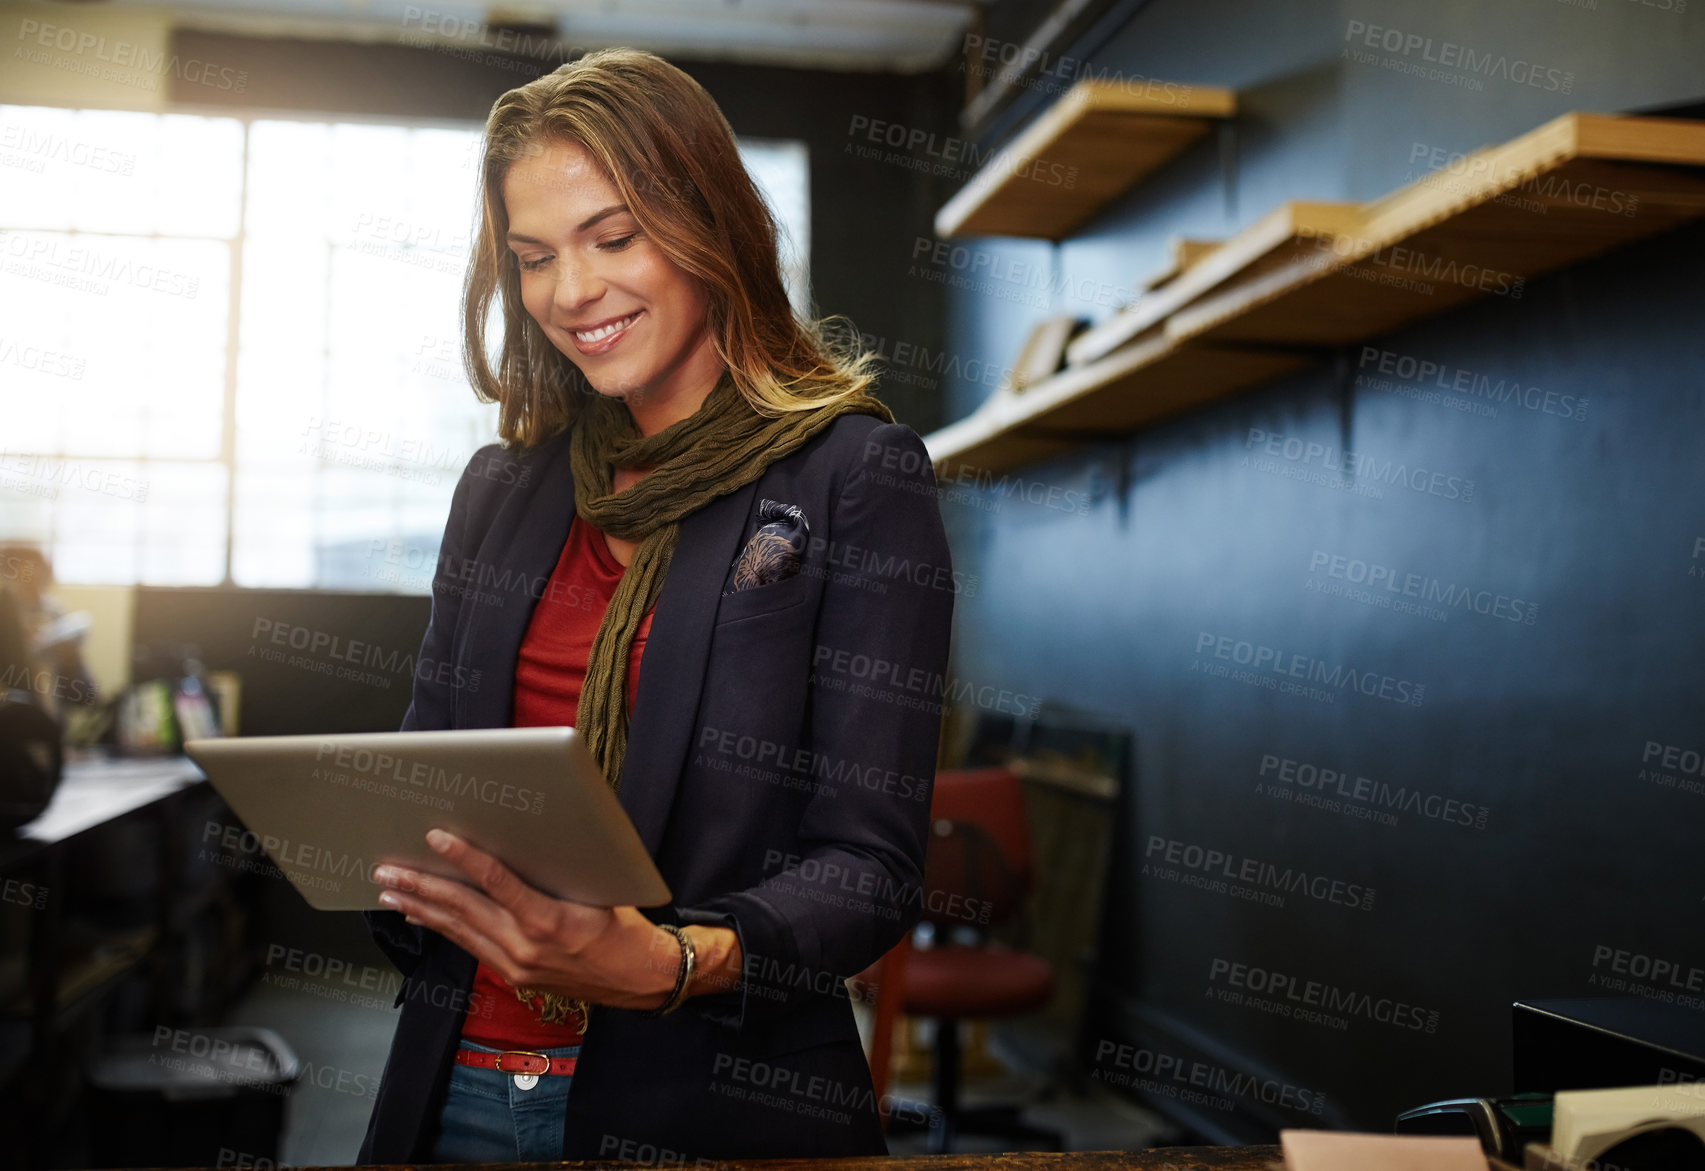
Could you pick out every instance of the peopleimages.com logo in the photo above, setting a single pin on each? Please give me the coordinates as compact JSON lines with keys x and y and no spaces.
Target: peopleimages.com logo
{"x":1669,"y":980}
{"x":1673,"y":766}
{"x":1360,"y":466}
{"x":1272,"y":668}
{"x":1223,"y":872}
{"x":1469,"y":174}
{"x":1167,"y":1073}
{"x":1339,"y":791}
{"x":1418,"y":375}
{"x":119,"y":60}
{"x":1447,"y":61}
{"x":354,"y":767}
{"x":1034,"y":68}
{"x":1314,"y":1001}
{"x":1431,"y":596}
{"x":950,"y":155}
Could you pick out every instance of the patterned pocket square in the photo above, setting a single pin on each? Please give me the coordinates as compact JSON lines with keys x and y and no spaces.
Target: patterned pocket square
{"x":776,"y":551}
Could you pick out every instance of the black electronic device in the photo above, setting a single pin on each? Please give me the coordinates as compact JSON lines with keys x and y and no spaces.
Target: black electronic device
{"x":1595,"y":1043}
{"x":1504,"y":1126}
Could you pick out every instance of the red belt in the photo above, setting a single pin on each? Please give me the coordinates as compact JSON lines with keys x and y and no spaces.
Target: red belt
{"x":516,"y":1061}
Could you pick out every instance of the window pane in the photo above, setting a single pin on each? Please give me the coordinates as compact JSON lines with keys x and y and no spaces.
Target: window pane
{"x":40,"y":155}
{"x":104,"y":201}
{"x":117,"y":336}
{"x":120,"y":521}
{"x":183,"y":524}
{"x":26,"y":500}
{"x":274,"y":543}
{"x":120,"y":171}
{"x":289,"y":192}
{"x":354,"y":419}
{"x":115,"y":228}
{"x":782,"y":172}
{"x":199,"y":176}
{"x":96,"y":517}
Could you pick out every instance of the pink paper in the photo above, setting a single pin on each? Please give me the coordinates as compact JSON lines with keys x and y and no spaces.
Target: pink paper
{"x":1330,"y":1150}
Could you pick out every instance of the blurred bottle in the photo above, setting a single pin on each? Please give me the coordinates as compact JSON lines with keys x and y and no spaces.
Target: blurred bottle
{"x":172,"y":703}
{"x":197,"y":719}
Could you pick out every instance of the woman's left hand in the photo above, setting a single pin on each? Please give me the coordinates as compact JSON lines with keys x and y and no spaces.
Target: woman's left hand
{"x":606,"y":955}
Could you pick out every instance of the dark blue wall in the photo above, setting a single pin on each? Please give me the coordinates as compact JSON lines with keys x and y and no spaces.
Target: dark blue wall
{"x":1576,"y":520}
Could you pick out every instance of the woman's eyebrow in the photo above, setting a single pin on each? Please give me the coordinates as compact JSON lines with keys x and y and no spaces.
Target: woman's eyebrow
{"x":589,"y":221}
{"x":592,"y":219}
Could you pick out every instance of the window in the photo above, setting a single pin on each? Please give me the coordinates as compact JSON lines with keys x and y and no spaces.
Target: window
{"x":780,"y":169}
{"x":231,"y":349}
{"x":116,"y":235}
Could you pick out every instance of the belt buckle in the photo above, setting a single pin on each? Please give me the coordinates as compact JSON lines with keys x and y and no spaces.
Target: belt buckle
{"x":543,"y":1058}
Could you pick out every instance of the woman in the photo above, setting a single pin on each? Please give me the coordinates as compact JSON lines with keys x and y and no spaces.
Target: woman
{"x":698,"y":510}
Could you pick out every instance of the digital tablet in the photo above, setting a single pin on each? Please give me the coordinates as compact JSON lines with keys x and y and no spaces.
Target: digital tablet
{"x":326,"y":809}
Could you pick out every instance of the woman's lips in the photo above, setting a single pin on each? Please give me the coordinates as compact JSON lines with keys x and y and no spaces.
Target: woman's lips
{"x":605,"y":337}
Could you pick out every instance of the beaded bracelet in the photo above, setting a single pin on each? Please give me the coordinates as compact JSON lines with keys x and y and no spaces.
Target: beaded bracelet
{"x":683,"y":974}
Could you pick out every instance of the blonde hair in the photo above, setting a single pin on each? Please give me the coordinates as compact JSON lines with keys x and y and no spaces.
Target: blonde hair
{"x":665,"y":146}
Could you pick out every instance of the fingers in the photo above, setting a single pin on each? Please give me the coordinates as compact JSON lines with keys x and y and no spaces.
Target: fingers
{"x":504,"y":939}
{"x":536,"y":917}
{"x":432,"y":901}
{"x":448,"y":922}
{"x":518,"y":930}
{"x":410,"y":890}
{"x":453,"y":909}
{"x":503,"y":885}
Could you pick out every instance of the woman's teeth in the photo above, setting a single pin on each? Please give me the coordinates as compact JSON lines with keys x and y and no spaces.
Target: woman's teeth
{"x":604,"y":331}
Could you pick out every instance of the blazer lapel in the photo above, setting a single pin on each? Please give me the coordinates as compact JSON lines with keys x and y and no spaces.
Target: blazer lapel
{"x":524,"y":542}
{"x":676,"y":657}
{"x":519,"y":553}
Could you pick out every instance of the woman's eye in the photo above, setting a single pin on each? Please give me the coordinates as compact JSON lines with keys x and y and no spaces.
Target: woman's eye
{"x":534,"y":265}
{"x":618,"y":245}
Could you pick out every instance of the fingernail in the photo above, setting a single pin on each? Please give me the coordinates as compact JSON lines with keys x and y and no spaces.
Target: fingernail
{"x":438,"y":840}
{"x":389,"y":899}
{"x":384,"y":874}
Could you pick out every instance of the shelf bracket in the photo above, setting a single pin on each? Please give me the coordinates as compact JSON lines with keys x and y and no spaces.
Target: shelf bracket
{"x":1344,"y":380}
{"x":1228,"y":168}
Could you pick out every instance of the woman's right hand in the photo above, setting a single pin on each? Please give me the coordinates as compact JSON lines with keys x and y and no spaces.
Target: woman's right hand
{"x":605,"y":955}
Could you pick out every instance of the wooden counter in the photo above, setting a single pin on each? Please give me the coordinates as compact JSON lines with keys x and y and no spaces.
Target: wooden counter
{"x":1158,"y":1159}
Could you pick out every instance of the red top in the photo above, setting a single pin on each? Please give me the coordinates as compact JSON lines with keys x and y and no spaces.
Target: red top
{"x":548,"y":675}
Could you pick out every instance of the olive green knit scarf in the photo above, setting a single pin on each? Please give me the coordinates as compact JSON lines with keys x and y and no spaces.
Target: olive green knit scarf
{"x":724,"y":445}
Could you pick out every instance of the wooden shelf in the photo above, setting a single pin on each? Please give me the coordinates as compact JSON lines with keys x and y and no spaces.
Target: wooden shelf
{"x":1310,"y":277}
{"x":1128,"y":389}
{"x":1111,"y":132}
{"x":1182,"y":253}
{"x":1272,"y":242}
{"x":1553,"y":197}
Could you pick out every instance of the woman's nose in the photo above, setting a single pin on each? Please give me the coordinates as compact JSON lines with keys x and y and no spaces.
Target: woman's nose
{"x":577,"y":284}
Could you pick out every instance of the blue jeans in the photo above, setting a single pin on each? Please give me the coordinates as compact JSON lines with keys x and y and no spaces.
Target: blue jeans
{"x":487,"y":1118}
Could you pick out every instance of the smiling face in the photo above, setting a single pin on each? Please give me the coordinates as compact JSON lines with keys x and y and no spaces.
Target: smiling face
{"x":604,"y":293}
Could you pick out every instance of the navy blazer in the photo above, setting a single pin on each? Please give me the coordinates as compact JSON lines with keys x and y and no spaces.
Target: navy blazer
{"x":779,"y":766}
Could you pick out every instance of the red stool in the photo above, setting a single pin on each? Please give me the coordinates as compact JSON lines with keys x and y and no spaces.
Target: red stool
{"x":976,"y":876}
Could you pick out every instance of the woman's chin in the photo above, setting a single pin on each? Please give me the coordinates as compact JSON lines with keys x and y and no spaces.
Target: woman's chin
{"x":612,"y":384}
{"x":605,"y":386}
